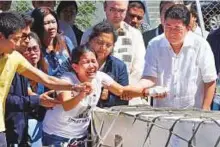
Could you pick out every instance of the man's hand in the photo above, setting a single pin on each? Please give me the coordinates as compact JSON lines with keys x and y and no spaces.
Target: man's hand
{"x":87,"y":87}
{"x":130,"y":92}
{"x":158,"y":92}
{"x":47,"y":101}
{"x":206,"y":108}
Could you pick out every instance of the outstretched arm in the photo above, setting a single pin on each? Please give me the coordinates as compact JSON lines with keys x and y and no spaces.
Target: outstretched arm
{"x":49,"y":81}
{"x":132,"y":91}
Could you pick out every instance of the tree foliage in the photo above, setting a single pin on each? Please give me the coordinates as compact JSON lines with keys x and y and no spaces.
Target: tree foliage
{"x":85,"y":14}
{"x":84,"y":19}
{"x":21,"y":6}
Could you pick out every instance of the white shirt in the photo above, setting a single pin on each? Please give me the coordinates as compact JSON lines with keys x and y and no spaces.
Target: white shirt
{"x":74,"y":123}
{"x":128,"y":48}
{"x":183,"y":74}
{"x":198,"y":31}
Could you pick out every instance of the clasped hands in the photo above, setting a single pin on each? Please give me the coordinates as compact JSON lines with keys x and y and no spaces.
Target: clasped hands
{"x":156,"y":92}
{"x":128,"y":93}
{"x":48,"y":101}
{"x":85,"y":88}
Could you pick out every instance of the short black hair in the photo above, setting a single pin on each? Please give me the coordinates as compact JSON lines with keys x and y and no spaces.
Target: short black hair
{"x":10,"y":22}
{"x":180,"y":12}
{"x":78,"y":52}
{"x":27,"y":19}
{"x":138,"y":4}
{"x":103,"y":27}
{"x":64,"y":4}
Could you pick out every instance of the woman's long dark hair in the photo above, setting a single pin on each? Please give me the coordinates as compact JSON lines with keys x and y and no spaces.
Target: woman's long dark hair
{"x":38,"y":27}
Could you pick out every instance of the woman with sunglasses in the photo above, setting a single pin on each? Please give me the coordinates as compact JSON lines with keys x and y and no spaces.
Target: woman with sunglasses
{"x":34,"y":55}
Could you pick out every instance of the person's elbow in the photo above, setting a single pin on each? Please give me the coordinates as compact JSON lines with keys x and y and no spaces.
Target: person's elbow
{"x":67,"y":107}
{"x":67,"y":104}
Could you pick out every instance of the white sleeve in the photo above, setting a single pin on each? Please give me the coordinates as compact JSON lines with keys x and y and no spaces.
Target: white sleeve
{"x":138,"y":61}
{"x":150,"y":67}
{"x":106,"y":80}
{"x":68,"y":77}
{"x":85,"y":36}
{"x":207,"y":64}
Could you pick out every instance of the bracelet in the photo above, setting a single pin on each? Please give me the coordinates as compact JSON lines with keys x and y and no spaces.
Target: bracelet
{"x":74,"y":87}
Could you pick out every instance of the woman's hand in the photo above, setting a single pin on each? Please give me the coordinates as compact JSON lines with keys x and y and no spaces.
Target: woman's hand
{"x":47,"y":101}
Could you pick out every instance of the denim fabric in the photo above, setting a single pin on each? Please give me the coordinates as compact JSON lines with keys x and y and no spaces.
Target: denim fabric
{"x":57,"y":141}
{"x":216,"y":99}
{"x":3,"y":142}
{"x":215,"y":106}
{"x":35,"y":132}
{"x":55,"y":59}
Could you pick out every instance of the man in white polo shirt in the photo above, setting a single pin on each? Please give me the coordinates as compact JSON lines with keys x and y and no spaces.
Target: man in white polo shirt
{"x":181,"y":61}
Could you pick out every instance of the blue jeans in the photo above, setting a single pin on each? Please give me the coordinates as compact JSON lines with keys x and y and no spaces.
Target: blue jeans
{"x":3,"y":142}
{"x":35,"y":132}
{"x":57,"y":141}
{"x":215,"y":106}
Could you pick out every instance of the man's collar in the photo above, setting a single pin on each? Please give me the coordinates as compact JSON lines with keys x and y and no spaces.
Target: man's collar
{"x":121,"y":31}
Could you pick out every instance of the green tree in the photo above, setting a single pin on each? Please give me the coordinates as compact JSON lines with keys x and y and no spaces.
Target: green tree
{"x":86,"y":13}
{"x":21,"y":6}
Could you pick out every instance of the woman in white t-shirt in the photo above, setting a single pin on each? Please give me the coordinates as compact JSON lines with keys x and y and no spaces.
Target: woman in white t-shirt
{"x":71,"y":119}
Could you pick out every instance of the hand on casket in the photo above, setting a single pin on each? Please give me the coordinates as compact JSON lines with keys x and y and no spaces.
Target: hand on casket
{"x":158,"y":92}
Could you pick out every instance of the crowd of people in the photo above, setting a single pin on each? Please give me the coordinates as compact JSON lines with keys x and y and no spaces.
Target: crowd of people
{"x":52,"y":74}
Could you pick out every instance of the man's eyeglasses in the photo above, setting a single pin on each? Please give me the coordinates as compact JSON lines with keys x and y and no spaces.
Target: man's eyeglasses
{"x":25,"y":36}
{"x":114,"y":10}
